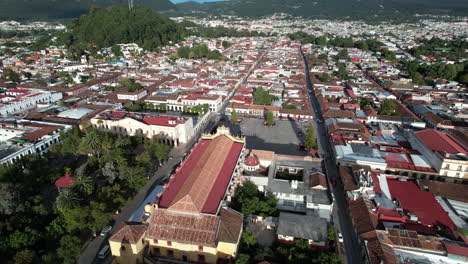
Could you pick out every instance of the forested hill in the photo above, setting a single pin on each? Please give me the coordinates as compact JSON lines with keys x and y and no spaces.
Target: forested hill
{"x":105,"y":27}
{"x":53,"y":9}
{"x":327,"y":8}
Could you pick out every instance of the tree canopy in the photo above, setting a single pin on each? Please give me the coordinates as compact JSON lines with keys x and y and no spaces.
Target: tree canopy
{"x":105,"y":27}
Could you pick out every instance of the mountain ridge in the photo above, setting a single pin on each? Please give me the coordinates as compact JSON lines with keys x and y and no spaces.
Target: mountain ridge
{"x":59,"y":9}
{"x":323,"y":8}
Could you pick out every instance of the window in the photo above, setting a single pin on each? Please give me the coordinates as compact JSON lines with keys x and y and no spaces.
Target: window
{"x":156,"y":252}
{"x":155,"y":241}
{"x":201,"y":258}
{"x":170,"y":253}
{"x":169,"y":243}
{"x":200,"y":248}
{"x":122,"y":248}
{"x":460,"y":168}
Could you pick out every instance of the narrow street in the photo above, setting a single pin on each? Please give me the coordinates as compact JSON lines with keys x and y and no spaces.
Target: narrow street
{"x":351,"y":242}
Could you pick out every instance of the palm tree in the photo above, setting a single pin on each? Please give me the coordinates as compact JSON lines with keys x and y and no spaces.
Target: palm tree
{"x":84,"y":184}
{"x":91,"y":143}
{"x":66,"y":200}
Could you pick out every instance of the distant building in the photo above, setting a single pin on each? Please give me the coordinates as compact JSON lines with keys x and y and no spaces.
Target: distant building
{"x":446,"y":153}
{"x":173,"y":130}
{"x":190,"y":222}
{"x":17,"y":100}
{"x":22,"y":137}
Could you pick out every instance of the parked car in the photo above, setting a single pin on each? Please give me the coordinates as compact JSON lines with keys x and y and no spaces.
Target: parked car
{"x":340,"y":238}
{"x":105,"y":230}
{"x":104,"y":252}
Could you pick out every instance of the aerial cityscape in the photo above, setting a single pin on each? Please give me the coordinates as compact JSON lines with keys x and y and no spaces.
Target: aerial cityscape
{"x":233,"y":132}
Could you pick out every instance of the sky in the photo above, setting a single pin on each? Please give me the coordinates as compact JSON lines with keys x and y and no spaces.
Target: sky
{"x":200,"y":1}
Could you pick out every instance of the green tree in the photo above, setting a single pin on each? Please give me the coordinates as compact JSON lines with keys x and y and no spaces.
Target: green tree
{"x":325,"y":77}
{"x":12,"y":76}
{"x":234,"y":117}
{"x":19,"y":239}
{"x":100,"y":215}
{"x":417,"y":78}
{"x":226,"y":44}
{"x":262,"y":97}
{"x":387,"y":107}
{"x":56,"y":228}
{"x":91,"y":143}
{"x":183,"y":52}
{"x":116,"y":50}
{"x":76,"y":219}
{"x":243,"y":259}
{"x":135,"y":177}
{"x":25,"y":256}
{"x":69,"y":248}
{"x":213,"y":55}
{"x":84,"y":184}
{"x":162,"y":151}
{"x":342,"y":54}
{"x":66,"y":200}
{"x":342,"y":73}
{"x":310,"y":140}
{"x":249,"y":238}
{"x":328,"y":257}
{"x":28,"y":75}
{"x":270,"y":120}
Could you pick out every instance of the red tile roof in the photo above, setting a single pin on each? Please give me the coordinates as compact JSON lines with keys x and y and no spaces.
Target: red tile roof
{"x":438,"y":141}
{"x":420,"y":203}
{"x":456,"y":248}
{"x":129,"y":233}
{"x":65,"y":181}
{"x":197,"y":229}
{"x":201,"y":182}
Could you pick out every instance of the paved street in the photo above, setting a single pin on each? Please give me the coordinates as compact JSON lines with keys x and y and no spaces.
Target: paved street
{"x":351,"y":244}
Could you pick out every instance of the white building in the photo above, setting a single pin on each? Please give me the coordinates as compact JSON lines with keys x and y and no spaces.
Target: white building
{"x":23,"y":137}
{"x":172,"y":130}
{"x":17,"y":100}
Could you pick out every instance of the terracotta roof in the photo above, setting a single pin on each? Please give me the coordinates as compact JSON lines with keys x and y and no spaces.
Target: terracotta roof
{"x":378,"y":251}
{"x":318,"y":178}
{"x":339,"y":114}
{"x":231,"y":226}
{"x":199,"y":229}
{"x":129,"y":233}
{"x":363,"y":220}
{"x":438,"y":141}
{"x":201,"y":182}
{"x":252,"y":160}
{"x":264,"y":154}
{"x":408,"y":238}
{"x":452,"y":191}
{"x":347,"y":177}
{"x":65,"y":181}
{"x":456,"y":248}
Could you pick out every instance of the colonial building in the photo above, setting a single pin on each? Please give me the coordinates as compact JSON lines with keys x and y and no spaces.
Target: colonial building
{"x":172,"y":130}
{"x":20,"y":138}
{"x":190,"y":221}
{"x":179,"y":102}
{"x":446,"y":153}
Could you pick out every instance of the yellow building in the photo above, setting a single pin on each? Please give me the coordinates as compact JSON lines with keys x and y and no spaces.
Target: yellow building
{"x":190,"y":221}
